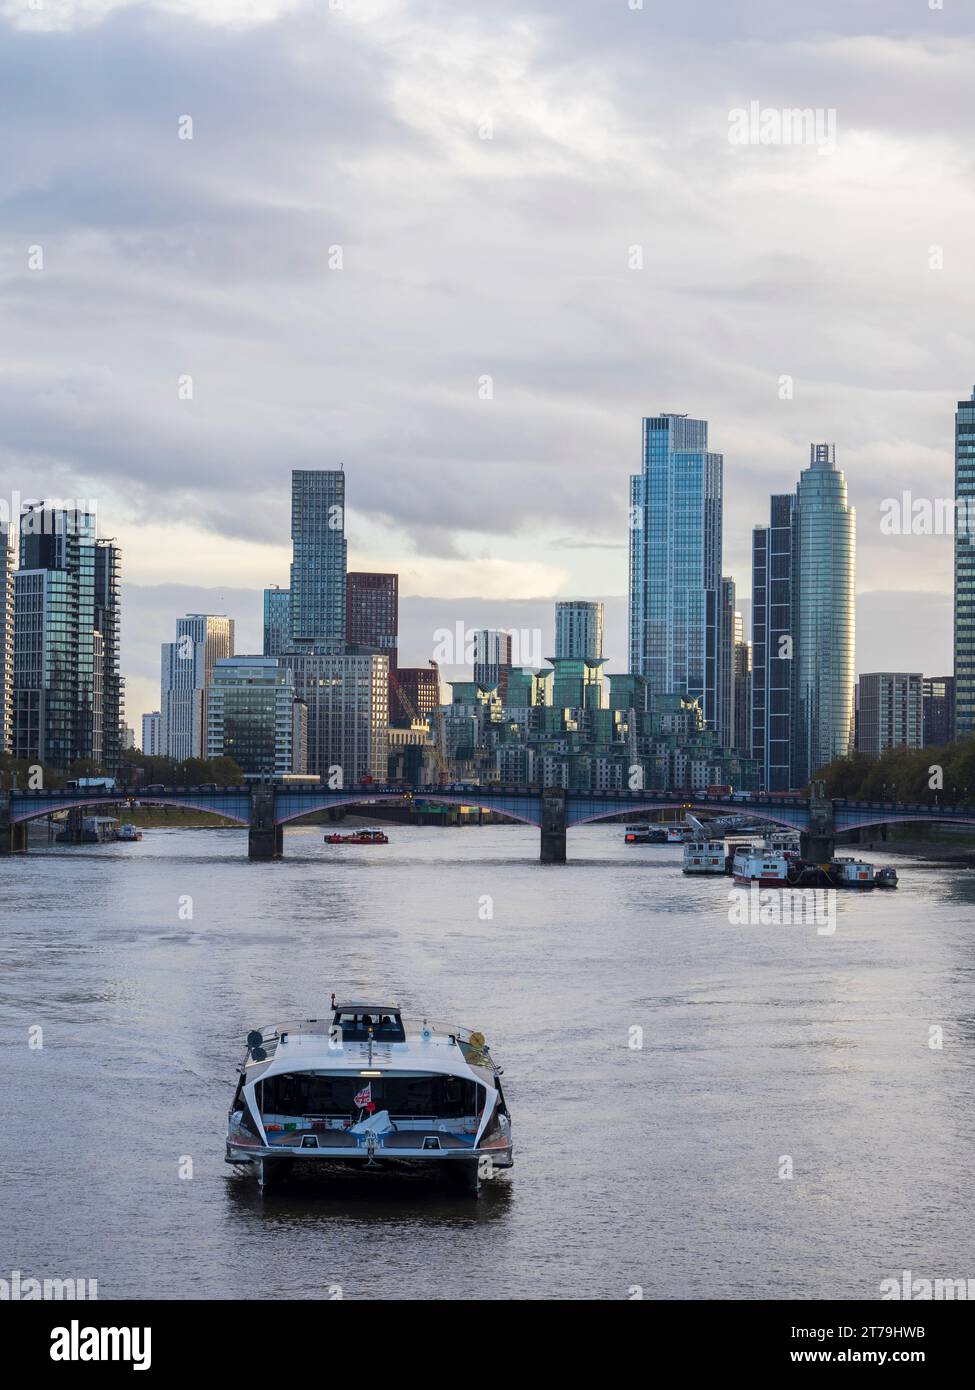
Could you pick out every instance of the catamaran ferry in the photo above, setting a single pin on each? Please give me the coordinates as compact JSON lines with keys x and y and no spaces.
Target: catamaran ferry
{"x":370,"y":1089}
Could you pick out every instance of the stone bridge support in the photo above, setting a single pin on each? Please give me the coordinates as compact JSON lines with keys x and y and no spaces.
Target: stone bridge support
{"x":265,"y":840}
{"x":553,"y":826}
{"x":13,"y":834}
{"x":818,"y":843}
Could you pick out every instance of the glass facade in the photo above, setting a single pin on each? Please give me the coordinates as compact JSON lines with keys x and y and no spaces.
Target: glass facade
{"x":254,"y":718}
{"x":823,"y":652}
{"x":202,"y":639}
{"x":66,"y":684}
{"x":318,"y":568}
{"x":277,"y":621}
{"x":964,"y":570}
{"x":773,"y":561}
{"x":579,"y":629}
{"x":372,"y":612}
{"x":675,"y":562}
{"x":7,"y":567}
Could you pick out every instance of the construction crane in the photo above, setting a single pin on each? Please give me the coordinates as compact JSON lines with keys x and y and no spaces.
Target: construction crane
{"x":438,"y":745}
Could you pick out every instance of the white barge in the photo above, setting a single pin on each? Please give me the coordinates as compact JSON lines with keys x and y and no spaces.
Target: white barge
{"x":369,"y":1089}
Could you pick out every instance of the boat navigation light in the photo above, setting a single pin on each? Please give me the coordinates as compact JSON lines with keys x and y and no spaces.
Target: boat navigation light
{"x":370,"y":1073}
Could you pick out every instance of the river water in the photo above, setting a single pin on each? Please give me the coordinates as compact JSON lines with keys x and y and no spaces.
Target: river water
{"x":654,"y":1167}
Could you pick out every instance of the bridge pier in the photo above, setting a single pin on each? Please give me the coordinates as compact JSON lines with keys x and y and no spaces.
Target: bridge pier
{"x":265,"y":840}
{"x":818,"y":843}
{"x":553,"y":826}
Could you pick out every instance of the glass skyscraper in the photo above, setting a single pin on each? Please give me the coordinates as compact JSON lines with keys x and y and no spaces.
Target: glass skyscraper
{"x":319,"y":560}
{"x":675,"y":562}
{"x":6,"y":638}
{"x":803,"y":627}
{"x":579,"y":629}
{"x":202,"y":639}
{"x":825,"y":628}
{"x":964,"y":569}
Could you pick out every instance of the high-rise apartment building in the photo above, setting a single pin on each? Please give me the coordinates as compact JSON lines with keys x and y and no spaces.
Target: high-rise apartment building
{"x":773,"y":562}
{"x":890,"y":711}
{"x":372,"y":612}
{"x":319,"y":562}
{"x":675,"y":562}
{"x":492,"y":660}
{"x":277,"y":621}
{"x":202,"y":639}
{"x":579,"y":629}
{"x":414,"y":693}
{"x":726,"y":662}
{"x":803,"y":627}
{"x":7,"y":569}
{"x":825,"y":623}
{"x":965,"y":568}
{"x":743,"y":691}
{"x":67,"y":689}
{"x":347,"y":696}
{"x":152,"y":744}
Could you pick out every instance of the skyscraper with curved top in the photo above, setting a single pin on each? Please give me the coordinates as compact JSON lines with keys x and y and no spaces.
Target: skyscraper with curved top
{"x":824,"y":625}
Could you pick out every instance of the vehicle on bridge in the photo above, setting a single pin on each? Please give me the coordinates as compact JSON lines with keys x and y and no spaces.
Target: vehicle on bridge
{"x":370,"y":1089}
{"x":371,"y":835}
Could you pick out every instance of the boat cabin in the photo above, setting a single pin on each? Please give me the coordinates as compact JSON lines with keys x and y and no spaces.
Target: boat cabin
{"x":365,"y":1022}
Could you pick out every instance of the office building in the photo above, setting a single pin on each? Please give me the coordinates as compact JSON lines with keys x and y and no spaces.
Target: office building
{"x":773,"y":563}
{"x":254,"y":717}
{"x":7,"y":571}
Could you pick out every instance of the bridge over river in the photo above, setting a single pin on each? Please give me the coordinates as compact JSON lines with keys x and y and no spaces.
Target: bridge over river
{"x":265,"y":808}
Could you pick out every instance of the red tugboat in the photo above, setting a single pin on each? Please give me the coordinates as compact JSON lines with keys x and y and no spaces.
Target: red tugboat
{"x":371,"y":835}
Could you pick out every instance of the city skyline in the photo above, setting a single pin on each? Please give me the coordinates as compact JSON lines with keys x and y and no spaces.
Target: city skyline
{"x":264,"y":355}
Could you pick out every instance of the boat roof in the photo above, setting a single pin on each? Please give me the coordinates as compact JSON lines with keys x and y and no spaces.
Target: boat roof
{"x":308,"y":1045}
{"x":360,"y":1008}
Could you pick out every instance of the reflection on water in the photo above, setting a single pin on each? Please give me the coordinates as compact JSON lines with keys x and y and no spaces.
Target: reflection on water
{"x":660,"y":1064}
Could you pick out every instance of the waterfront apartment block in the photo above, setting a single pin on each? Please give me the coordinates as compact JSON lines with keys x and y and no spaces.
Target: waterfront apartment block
{"x":66,"y":682}
{"x":964,"y":626}
{"x":773,"y":564}
{"x":319,"y":562}
{"x":254,"y":717}
{"x":202,"y":639}
{"x":492,"y":659}
{"x":727,"y":689}
{"x":890,"y":711}
{"x":675,"y":562}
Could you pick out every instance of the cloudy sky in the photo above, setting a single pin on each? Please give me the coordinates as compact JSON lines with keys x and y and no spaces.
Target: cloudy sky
{"x":486,"y":170}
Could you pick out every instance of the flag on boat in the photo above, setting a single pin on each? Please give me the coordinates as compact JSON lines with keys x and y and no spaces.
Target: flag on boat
{"x":364,"y":1097}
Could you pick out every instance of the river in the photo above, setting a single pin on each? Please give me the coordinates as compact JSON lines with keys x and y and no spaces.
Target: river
{"x":648,"y":1163}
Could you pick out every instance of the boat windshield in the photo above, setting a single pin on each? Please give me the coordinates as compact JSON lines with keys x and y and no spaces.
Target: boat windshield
{"x":359,"y":1027}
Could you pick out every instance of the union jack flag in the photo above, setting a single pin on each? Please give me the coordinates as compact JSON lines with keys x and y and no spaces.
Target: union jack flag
{"x":364,"y":1097}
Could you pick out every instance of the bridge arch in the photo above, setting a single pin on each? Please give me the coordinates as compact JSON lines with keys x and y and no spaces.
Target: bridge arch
{"x":21,"y":812}
{"x":357,"y":799}
{"x":788,"y":819}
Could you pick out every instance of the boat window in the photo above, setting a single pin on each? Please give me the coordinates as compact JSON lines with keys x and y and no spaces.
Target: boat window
{"x":386,"y":1027}
{"x":303,"y":1094}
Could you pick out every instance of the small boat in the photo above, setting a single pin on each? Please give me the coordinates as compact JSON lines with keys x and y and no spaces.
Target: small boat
{"x":886,"y":878}
{"x":129,"y":832}
{"x":852,"y":873}
{"x":372,"y":835}
{"x":645,"y":835}
{"x":704,"y":857}
{"x":369,"y":1089}
{"x":760,"y":864}
{"x":785,"y":842}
